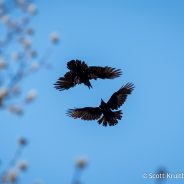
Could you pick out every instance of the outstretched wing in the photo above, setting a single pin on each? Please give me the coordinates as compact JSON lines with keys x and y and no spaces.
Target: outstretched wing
{"x":103,"y":72}
{"x":65,"y":82}
{"x":87,"y":113}
{"x":119,"y":97}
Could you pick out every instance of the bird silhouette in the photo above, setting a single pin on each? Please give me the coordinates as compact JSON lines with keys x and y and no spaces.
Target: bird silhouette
{"x":105,"y":113}
{"x":80,"y":73}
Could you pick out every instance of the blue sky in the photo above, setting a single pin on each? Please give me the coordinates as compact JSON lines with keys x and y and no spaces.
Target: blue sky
{"x":143,"y":38}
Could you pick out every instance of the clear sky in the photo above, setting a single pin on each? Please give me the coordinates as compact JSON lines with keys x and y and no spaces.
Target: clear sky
{"x":143,"y":38}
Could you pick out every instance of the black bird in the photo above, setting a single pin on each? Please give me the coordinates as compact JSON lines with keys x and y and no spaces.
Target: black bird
{"x":104,"y":113}
{"x":79,"y":72}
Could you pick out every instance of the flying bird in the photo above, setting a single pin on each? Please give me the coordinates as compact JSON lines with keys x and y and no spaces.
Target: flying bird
{"x":80,"y":73}
{"x":106,"y":113}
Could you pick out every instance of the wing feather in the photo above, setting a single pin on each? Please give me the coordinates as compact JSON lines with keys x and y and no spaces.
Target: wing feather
{"x":103,"y":72}
{"x":87,"y":113}
{"x":119,"y":97}
{"x":65,"y":82}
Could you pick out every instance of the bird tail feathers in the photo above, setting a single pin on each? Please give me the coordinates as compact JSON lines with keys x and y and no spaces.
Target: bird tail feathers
{"x":117,"y":115}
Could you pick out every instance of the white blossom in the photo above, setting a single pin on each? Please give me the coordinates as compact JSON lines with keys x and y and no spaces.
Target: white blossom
{"x":32,"y":9}
{"x":26,"y":43}
{"x":34,"y":66}
{"x":11,"y":176}
{"x":22,"y":165}
{"x":81,"y":162}
{"x":54,"y":37}
{"x":31,"y":95}
{"x":22,"y":141}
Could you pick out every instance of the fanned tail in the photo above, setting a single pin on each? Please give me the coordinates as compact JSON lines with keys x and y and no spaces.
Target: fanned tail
{"x":117,"y":115}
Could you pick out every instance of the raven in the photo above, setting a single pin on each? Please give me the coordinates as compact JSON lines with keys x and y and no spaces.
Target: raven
{"x":104,"y":113}
{"x":79,"y":72}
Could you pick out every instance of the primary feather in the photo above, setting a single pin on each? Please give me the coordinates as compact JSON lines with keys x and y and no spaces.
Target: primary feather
{"x":103,"y":72}
{"x":87,"y":113}
{"x":65,"y":82}
{"x":120,"y":96}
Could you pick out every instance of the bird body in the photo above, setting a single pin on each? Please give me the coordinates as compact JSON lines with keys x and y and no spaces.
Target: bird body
{"x":106,"y":113}
{"x":80,"y":73}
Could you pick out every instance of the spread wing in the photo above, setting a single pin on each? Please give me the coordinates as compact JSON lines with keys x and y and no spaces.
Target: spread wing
{"x":87,"y":113}
{"x":103,"y":72}
{"x":119,"y":97}
{"x":65,"y":82}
